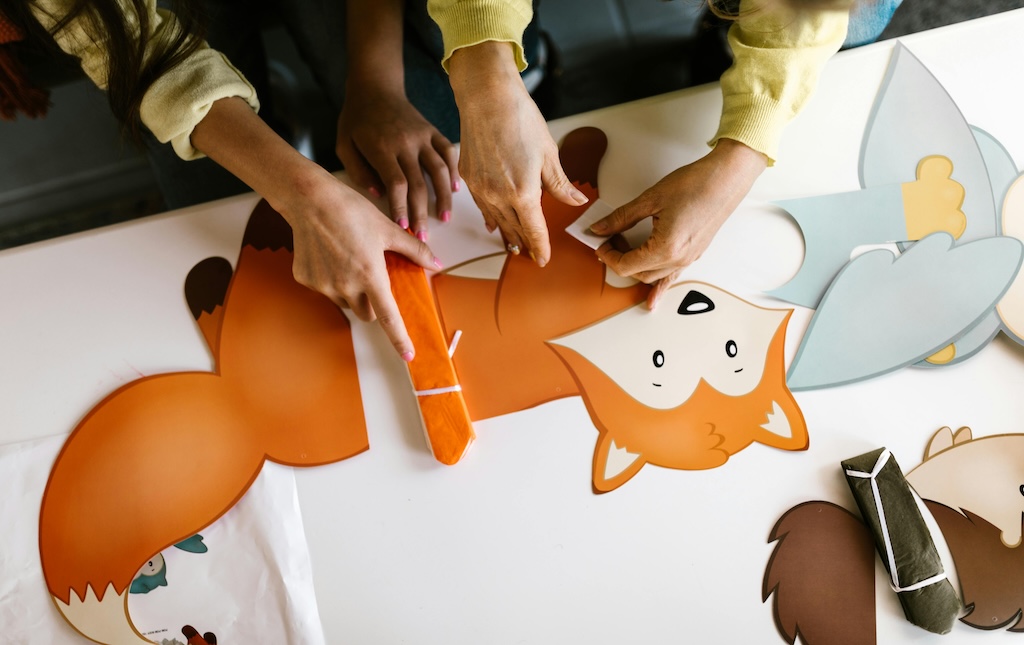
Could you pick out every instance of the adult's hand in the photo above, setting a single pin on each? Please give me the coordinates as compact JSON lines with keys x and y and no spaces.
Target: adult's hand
{"x":340,"y":239}
{"x":339,"y":236}
{"x":687,"y":207}
{"x":507,"y":154}
{"x":387,"y":146}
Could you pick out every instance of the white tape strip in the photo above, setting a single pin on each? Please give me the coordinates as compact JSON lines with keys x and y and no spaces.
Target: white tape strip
{"x":890,"y":556}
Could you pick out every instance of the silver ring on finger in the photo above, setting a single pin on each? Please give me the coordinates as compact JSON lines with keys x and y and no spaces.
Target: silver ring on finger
{"x":513,"y":248}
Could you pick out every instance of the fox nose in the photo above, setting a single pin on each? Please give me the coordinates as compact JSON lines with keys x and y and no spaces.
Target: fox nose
{"x":695,"y":302}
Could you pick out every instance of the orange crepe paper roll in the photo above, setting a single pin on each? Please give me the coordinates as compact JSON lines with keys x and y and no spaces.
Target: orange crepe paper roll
{"x":443,"y":411}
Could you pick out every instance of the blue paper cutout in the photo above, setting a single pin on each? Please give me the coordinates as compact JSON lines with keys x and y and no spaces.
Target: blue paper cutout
{"x":914,"y":117}
{"x":882,"y":312}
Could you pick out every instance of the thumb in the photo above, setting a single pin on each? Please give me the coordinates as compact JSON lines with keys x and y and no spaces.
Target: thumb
{"x":553,"y":179}
{"x":621,"y":219}
{"x":402,"y":242}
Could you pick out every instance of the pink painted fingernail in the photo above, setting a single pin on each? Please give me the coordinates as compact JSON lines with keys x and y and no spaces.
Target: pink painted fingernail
{"x":446,"y":216}
{"x":456,"y":186}
{"x":407,"y":357}
{"x":421,"y":236}
{"x":373,"y":191}
{"x":438,"y":264}
{"x":404,"y":222}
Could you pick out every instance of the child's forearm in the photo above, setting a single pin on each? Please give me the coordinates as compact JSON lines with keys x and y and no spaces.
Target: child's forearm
{"x":375,"y":46}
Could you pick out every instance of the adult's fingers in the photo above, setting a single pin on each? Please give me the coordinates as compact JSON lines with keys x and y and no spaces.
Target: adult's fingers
{"x":533,"y":230}
{"x":622,"y":218}
{"x":554,"y":180}
{"x":390,"y":320}
{"x":628,"y":263}
{"x":414,"y":249}
{"x":660,"y":287}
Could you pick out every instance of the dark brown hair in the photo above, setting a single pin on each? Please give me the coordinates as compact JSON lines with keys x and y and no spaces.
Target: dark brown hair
{"x":131,"y":70}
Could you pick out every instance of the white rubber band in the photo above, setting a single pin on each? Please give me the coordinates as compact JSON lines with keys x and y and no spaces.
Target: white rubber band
{"x":895,"y":583}
{"x":439,"y":390}
{"x":455,"y":342}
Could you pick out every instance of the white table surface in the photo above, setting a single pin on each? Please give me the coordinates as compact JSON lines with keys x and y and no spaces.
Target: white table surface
{"x":510,"y":545}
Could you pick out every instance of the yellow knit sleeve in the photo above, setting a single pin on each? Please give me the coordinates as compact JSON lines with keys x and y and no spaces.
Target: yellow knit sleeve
{"x":778,"y":55}
{"x":465,"y":23}
{"x":177,"y":101}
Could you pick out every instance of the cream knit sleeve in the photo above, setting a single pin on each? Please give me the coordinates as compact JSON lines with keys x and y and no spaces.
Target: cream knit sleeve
{"x":465,"y":23}
{"x":778,"y":55}
{"x":177,"y":101}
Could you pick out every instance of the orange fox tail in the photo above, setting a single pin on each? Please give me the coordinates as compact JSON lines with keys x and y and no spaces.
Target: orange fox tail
{"x":285,"y":388}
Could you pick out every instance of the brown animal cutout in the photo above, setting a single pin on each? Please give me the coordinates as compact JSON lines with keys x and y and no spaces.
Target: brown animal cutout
{"x":822,"y":579}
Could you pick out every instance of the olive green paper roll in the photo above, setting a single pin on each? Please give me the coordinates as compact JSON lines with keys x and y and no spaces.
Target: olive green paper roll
{"x":903,"y":540}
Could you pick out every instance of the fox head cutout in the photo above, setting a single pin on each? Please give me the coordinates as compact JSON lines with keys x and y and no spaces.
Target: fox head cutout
{"x":685,"y":386}
{"x":285,"y":388}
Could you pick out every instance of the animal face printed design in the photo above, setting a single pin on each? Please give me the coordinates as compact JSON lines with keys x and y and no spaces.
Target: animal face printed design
{"x":659,"y":357}
{"x":685,"y":386}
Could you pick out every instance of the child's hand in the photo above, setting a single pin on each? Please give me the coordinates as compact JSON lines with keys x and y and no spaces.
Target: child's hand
{"x":688,"y":207}
{"x":387,"y":146}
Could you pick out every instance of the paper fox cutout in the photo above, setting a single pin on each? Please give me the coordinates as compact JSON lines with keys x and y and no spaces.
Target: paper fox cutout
{"x":685,"y":386}
{"x":508,"y":359}
{"x":821,"y":572}
{"x":284,"y":389}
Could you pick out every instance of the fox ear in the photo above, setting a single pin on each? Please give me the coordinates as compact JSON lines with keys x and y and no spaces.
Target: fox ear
{"x":613,"y":466}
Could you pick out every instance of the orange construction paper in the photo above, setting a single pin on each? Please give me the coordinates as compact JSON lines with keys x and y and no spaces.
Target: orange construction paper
{"x":284,"y":388}
{"x":503,"y":360}
{"x":443,"y":412}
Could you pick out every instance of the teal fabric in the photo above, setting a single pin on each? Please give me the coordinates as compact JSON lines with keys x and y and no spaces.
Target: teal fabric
{"x":868,"y":19}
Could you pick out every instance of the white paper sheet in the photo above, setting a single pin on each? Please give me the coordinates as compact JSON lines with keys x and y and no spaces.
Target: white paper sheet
{"x":253,"y":585}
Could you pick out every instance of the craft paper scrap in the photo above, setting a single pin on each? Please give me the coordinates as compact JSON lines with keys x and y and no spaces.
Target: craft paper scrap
{"x":903,"y":540}
{"x":580,"y":229}
{"x":254,"y":583}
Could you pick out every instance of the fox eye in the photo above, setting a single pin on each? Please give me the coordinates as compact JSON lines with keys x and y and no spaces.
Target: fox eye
{"x":730,"y":349}
{"x":659,"y":358}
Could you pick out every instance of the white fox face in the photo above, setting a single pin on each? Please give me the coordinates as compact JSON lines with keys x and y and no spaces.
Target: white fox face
{"x":697,"y":332}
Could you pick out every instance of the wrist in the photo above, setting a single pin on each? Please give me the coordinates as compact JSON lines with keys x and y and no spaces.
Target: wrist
{"x":482,"y":69}
{"x":299,"y":191}
{"x":740,"y":158}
